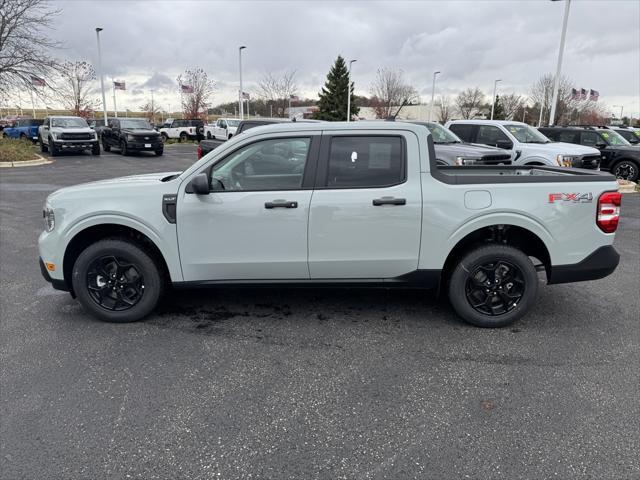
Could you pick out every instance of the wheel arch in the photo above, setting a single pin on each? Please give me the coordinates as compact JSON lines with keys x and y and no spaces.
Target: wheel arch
{"x":93,"y":233}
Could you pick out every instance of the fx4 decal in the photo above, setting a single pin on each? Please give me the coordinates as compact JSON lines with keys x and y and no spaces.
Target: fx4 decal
{"x":571,"y":197}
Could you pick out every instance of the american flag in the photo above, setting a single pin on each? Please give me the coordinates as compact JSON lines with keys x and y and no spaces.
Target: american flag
{"x":583,"y":94}
{"x":119,"y":85}
{"x":575,"y":95}
{"x":594,"y":95}
{"x":186,"y":88}
{"x":37,"y":81}
{"x":246,"y":96}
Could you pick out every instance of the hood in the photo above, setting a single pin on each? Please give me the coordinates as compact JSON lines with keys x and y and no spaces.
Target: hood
{"x":72,"y":130}
{"x":140,"y":132}
{"x":561,"y":148}
{"x":86,"y":190}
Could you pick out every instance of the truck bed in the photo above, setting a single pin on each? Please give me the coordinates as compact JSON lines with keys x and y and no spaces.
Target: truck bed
{"x":517,"y":174}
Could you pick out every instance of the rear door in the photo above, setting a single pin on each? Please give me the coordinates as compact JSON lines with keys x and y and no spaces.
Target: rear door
{"x":366,"y":210}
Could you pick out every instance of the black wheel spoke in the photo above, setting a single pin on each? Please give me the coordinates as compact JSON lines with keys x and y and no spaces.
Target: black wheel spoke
{"x":114,"y":283}
{"x":495,"y":288}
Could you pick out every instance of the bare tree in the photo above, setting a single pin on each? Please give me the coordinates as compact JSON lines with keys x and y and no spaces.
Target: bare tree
{"x":151,"y":110}
{"x":444,"y":109}
{"x":73,"y":86}
{"x":24,"y":47}
{"x":391,"y":93}
{"x":469,"y":102}
{"x":276,"y":90}
{"x":196,"y":89}
{"x":511,"y":104}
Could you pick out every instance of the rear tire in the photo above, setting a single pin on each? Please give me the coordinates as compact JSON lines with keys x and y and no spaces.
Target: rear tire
{"x":184,"y":137}
{"x":117,"y":281}
{"x":493,"y":286}
{"x":208,"y":135}
{"x":164,"y":136}
{"x":105,"y":146}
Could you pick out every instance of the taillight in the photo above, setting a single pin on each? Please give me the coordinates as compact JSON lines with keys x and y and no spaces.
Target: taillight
{"x":609,"y":211}
{"x":199,"y":151}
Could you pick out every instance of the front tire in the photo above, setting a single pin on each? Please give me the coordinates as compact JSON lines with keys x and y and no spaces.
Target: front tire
{"x":626,"y":170}
{"x":43,"y":147}
{"x":105,"y":145}
{"x":184,"y":137}
{"x":208,"y":135}
{"x":117,"y":281}
{"x":159,"y":152}
{"x":52,"y":148}
{"x":493,"y":286}
{"x":164,"y":136}
{"x":123,"y":148}
{"x":95,"y":150}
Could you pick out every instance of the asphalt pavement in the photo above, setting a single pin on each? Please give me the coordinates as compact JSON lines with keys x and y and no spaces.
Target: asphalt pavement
{"x":311,"y":383}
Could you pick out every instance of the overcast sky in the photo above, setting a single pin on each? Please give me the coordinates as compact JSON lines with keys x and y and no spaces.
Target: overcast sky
{"x":148,"y":43}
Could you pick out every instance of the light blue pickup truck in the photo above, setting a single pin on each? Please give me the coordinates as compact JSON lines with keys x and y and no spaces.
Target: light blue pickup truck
{"x":306,"y":204}
{"x":24,"y":129}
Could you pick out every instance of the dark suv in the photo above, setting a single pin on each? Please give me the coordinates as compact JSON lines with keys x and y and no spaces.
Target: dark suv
{"x":630,"y":134}
{"x":130,"y":135}
{"x":618,"y":156}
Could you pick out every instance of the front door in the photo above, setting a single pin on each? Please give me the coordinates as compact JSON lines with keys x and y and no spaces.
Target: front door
{"x":253,"y":224}
{"x":366,"y":211}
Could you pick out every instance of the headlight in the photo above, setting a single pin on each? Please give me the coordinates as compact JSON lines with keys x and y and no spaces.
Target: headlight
{"x":49,"y":218}
{"x":465,"y":161}
{"x":130,"y":138}
{"x":565,"y":160}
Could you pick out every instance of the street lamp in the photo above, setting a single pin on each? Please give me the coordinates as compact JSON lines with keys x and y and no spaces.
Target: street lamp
{"x":493,"y":103}
{"x":621,"y":109}
{"x":104,"y":102}
{"x":433,"y":92}
{"x":349,"y":92}
{"x":556,"y":80}
{"x":240,"y":102}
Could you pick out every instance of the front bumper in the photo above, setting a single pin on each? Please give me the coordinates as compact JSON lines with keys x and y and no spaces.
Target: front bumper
{"x":57,"y":284}
{"x":141,"y":147}
{"x":590,"y":162}
{"x":598,"y":264}
{"x":75,"y":144}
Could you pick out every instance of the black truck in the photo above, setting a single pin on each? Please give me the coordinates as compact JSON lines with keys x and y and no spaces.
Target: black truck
{"x":130,"y":135}
{"x":618,"y":156}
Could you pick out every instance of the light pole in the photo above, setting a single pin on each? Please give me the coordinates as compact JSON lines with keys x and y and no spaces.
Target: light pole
{"x":349,"y":92}
{"x":240,"y":102}
{"x":556,"y":80}
{"x":104,"y":101}
{"x":621,"y":109}
{"x":433,"y":92}
{"x":493,"y":103}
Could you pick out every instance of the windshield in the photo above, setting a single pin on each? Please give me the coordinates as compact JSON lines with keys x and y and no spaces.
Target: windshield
{"x":526,"y":134}
{"x":441,"y":134}
{"x":135,"y":124}
{"x":614,"y":138}
{"x":70,"y":122}
{"x":233,"y":123}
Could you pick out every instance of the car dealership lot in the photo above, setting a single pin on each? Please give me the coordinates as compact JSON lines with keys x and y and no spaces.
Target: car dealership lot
{"x":317,"y":383}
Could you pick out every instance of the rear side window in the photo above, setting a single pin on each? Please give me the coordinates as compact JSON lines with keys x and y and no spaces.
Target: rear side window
{"x":465,"y":132}
{"x":550,"y":134}
{"x":366,"y":162}
{"x":569,"y":137}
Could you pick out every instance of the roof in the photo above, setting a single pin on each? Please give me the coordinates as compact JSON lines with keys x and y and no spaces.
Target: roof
{"x":489,"y":122}
{"x":335,"y":126}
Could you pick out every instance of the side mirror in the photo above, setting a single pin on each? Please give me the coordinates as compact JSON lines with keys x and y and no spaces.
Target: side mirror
{"x":601,"y":145}
{"x":199,"y":185}
{"x":504,"y":144}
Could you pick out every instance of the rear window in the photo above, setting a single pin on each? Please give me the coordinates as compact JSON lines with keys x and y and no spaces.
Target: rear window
{"x":465,"y":132}
{"x":366,"y":162}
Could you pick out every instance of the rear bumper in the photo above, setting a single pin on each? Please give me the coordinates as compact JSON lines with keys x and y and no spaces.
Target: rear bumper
{"x":55,"y":283}
{"x":599,"y":264}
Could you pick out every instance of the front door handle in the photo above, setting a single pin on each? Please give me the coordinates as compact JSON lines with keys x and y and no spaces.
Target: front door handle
{"x":389,"y":201}
{"x":281,"y":204}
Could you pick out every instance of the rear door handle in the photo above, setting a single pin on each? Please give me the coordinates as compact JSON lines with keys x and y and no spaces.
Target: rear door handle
{"x":281,"y":204}
{"x":389,"y":201}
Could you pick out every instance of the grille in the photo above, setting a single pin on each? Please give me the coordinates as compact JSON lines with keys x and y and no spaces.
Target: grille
{"x":496,"y":158}
{"x":77,"y":136}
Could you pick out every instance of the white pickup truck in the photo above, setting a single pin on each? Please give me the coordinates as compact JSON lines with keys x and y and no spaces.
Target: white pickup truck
{"x":223,"y":129}
{"x":360,"y":203}
{"x":527,"y":145}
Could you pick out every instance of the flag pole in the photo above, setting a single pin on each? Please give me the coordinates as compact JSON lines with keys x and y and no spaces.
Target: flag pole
{"x":115,"y":108}
{"x":33,"y":106}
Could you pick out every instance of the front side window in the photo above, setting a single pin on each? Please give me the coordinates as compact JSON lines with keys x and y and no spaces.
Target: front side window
{"x":365,"y":162}
{"x":526,"y":134}
{"x":614,"y":138}
{"x":276,"y":164}
{"x":490,"y":135}
{"x":441,"y":135}
{"x":591,"y":139}
{"x":568,"y":136}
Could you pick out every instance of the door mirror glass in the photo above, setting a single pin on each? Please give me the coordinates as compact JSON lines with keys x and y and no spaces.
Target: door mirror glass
{"x":199,"y":184}
{"x":505,"y":144}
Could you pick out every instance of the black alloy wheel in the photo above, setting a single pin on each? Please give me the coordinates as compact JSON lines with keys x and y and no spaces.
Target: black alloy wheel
{"x":495,"y":288}
{"x":114,"y":283}
{"x":626,"y":170}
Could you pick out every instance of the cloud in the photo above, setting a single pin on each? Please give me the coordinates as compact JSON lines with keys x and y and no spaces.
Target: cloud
{"x":470,"y":42}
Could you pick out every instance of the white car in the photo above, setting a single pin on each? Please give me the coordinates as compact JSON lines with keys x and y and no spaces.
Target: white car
{"x":223,"y":129}
{"x":527,"y":145}
{"x":182,"y":129}
{"x":61,"y":133}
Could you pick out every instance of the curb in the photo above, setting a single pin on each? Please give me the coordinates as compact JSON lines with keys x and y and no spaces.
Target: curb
{"x":27,"y":163}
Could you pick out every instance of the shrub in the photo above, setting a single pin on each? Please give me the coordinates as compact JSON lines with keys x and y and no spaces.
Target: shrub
{"x":16,"y":150}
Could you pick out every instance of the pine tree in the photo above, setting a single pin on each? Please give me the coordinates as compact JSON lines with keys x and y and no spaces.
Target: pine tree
{"x":498,"y":110}
{"x":333,"y":97}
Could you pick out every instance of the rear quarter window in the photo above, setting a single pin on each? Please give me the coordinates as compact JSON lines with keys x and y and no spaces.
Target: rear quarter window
{"x":465,"y":132}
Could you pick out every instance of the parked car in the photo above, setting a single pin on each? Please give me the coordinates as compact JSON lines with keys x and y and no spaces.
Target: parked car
{"x":618,"y":156}
{"x":25,"y":129}
{"x":131,"y":135}
{"x":223,"y":129}
{"x":332,"y":204}
{"x":451,"y":150}
{"x":11,"y":120}
{"x":526,"y":144}
{"x":60,"y":133}
{"x":630,"y":134}
{"x":183,"y":130}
